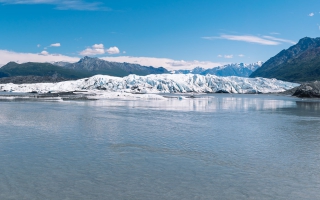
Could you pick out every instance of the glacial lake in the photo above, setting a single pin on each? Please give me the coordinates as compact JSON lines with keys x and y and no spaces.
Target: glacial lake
{"x":220,"y":146}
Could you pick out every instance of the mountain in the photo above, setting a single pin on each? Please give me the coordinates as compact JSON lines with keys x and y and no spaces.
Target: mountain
{"x":32,"y":79}
{"x":241,"y":70}
{"x":3,"y":74}
{"x":32,"y":72}
{"x":98,"y":66}
{"x":60,"y":63}
{"x":300,"y":62}
{"x":13,"y":69}
{"x":196,"y":70}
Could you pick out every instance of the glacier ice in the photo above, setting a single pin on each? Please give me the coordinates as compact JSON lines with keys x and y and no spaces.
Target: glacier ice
{"x":159,"y":83}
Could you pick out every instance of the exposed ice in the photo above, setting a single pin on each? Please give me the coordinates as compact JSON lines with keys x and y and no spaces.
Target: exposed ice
{"x":158,"y":83}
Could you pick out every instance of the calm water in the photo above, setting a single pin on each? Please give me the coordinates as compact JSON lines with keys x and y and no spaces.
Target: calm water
{"x":218,"y":147}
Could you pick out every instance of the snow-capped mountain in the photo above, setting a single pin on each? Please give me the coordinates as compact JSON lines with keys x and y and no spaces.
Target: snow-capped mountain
{"x":159,"y":83}
{"x":235,"y":69}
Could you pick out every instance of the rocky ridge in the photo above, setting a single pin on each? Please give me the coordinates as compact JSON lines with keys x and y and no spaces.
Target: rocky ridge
{"x":299,"y":63}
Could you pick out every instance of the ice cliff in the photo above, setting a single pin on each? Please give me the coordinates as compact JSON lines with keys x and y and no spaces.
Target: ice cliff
{"x":159,"y":83}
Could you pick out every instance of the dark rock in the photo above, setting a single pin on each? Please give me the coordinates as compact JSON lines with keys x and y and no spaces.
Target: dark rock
{"x":308,"y":90}
{"x":222,"y":91}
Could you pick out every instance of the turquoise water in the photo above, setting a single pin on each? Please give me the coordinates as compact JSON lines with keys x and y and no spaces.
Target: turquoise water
{"x":216,"y":147}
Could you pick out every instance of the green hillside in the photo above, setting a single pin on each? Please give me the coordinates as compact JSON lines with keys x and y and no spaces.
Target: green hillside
{"x":40,"y":69}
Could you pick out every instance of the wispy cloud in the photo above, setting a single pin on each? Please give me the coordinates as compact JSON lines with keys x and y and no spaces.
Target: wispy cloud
{"x":62,"y":4}
{"x":55,"y":45}
{"x":241,"y":55}
{"x":44,"y":56}
{"x":244,"y":38}
{"x":225,"y":56}
{"x":311,"y":14}
{"x":274,"y":33}
{"x":279,"y":39}
{"x":265,"y":40}
{"x":228,"y":56}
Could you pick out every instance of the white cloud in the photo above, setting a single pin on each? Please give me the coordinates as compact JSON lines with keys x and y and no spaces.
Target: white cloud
{"x":280,"y":39}
{"x":244,"y":38}
{"x":274,"y":33}
{"x":38,"y":45}
{"x":167,"y":63}
{"x":219,"y":56}
{"x":96,"y":49}
{"x":62,"y":4}
{"x":98,"y":46}
{"x":55,"y":45}
{"x":265,"y":40}
{"x":311,"y":14}
{"x":124,"y":52}
{"x":91,"y":52}
{"x":228,"y":56}
{"x":113,"y":50}
{"x":241,"y":55}
{"x":44,"y":53}
{"x":249,"y":38}
{"x":8,"y":56}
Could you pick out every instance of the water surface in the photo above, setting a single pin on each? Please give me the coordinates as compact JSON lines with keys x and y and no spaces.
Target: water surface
{"x":220,"y":146}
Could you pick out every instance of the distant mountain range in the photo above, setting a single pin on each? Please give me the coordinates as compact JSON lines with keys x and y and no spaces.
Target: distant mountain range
{"x":241,"y":70}
{"x":300,"y":62}
{"x":13,"y":69}
{"x":58,"y":71}
{"x":99,"y":66}
{"x":87,"y":66}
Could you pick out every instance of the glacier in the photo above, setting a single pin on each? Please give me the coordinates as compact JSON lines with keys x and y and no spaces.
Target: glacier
{"x":158,"y":83}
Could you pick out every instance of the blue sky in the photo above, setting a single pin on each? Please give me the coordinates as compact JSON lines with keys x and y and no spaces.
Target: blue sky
{"x":169,"y":33}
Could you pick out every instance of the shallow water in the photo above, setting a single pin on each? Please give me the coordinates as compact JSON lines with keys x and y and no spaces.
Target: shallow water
{"x":220,"y":146}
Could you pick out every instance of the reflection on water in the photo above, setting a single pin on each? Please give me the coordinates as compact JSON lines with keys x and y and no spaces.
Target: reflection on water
{"x":309,"y":105}
{"x":208,"y":103}
{"x":214,"y":147}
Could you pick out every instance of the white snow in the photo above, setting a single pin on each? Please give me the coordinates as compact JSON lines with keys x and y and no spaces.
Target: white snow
{"x":160,"y":83}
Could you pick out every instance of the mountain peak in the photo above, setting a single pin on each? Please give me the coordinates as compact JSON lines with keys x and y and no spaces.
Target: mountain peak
{"x":99,"y":66}
{"x":300,"y":62}
{"x":86,"y":58}
{"x":306,"y":43}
